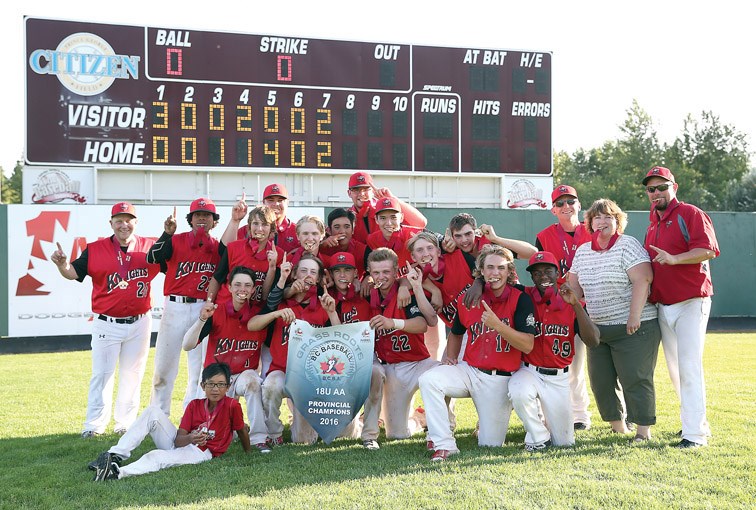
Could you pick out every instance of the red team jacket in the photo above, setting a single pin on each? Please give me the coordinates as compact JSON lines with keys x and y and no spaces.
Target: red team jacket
{"x":681,"y":228}
{"x":229,"y":340}
{"x":485,"y":347}
{"x":102,"y":264}
{"x":554,"y":344}
{"x":394,"y":345}
{"x":190,"y":268}
{"x":279,"y":344}
{"x":225,"y":418}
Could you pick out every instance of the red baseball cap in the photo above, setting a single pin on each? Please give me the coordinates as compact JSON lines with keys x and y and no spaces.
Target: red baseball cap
{"x":659,"y":171}
{"x":123,"y":208}
{"x":360,"y":180}
{"x":275,"y":190}
{"x":542,"y":257}
{"x":388,"y":204}
{"x":563,"y":189}
{"x":342,"y":259}
{"x":202,"y":204}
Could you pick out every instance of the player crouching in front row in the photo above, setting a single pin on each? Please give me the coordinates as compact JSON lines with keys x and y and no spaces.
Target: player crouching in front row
{"x":498,"y":331}
{"x":544,"y":374}
{"x":206,"y":431}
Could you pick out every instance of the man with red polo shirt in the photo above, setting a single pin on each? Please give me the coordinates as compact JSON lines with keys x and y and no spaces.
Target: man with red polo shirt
{"x":190,"y":259}
{"x":122,"y":323}
{"x":544,"y":374}
{"x":681,"y":240}
{"x":499,"y":331}
{"x":230,"y":342}
{"x":562,"y":239}
{"x":364,"y":196}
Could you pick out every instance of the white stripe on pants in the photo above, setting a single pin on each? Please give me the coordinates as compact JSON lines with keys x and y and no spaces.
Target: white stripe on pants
{"x":127,"y":346}
{"x":490,"y":394}
{"x":155,"y":423}
{"x":526,"y":388}
{"x":683,"y":327}
{"x":176,"y":321}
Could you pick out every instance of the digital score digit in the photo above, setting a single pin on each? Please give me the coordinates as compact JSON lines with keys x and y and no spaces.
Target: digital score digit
{"x":111,"y":95}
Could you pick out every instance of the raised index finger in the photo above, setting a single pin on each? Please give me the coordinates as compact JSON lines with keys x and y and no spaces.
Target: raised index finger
{"x":657,"y":250}
{"x":174,"y":211}
{"x":59,"y":247}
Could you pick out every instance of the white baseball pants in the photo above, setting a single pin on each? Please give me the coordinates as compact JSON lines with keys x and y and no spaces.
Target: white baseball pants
{"x":578,"y":385}
{"x":155,"y":423}
{"x":249,"y":385}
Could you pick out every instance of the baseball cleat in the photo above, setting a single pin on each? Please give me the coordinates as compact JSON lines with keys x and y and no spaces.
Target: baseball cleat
{"x":685,"y":443}
{"x":92,"y":466}
{"x":274,"y":441}
{"x":262,"y":448}
{"x":441,"y":455}
{"x":120,"y":431}
{"x":533,"y":448}
{"x":579,"y":425}
{"x":88,"y":434}
{"x":429,"y":445}
{"x":107,"y":468}
{"x":370,"y":444}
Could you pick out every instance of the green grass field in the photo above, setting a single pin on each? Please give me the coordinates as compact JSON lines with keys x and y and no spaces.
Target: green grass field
{"x":44,"y":461}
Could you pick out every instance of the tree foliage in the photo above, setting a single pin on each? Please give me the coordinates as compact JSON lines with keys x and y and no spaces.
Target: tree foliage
{"x":11,"y":186}
{"x":710,"y":161}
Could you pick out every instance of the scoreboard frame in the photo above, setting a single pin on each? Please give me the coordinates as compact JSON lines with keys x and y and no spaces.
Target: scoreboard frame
{"x":102,"y":95}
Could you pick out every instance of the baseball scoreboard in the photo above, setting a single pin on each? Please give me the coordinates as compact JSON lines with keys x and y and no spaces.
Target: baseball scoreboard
{"x":111,"y":95}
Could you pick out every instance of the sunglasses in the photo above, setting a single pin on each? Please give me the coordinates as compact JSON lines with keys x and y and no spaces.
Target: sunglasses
{"x":660,"y":187}
{"x":569,"y":201}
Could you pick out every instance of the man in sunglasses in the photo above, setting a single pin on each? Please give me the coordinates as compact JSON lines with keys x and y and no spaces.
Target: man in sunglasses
{"x":562,"y":239}
{"x":680,"y":240}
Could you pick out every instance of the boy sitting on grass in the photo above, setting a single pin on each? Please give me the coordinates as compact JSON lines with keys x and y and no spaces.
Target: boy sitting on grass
{"x":205,"y":432}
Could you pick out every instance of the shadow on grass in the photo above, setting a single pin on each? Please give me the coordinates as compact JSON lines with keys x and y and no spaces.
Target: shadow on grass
{"x":50,"y":471}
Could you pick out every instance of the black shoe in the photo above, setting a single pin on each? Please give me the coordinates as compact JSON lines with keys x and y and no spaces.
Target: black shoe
{"x":535,"y":448}
{"x":92,"y":466}
{"x":581,"y":426}
{"x":685,"y":443}
{"x":679,"y":433}
{"x":107,"y":467}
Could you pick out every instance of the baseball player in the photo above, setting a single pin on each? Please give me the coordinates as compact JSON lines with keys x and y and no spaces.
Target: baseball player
{"x":206,"y":431}
{"x":256,"y":252}
{"x":310,"y":231}
{"x":499,"y":331}
{"x":122,"y":323}
{"x":341,"y":238}
{"x":305,"y":304}
{"x":364,"y":197}
{"x":681,"y":241}
{"x":543,"y":376}
{"x":562,"y":239}
{"x":230,"y":341}
{"x":190,"y":259}
{"x":401,"y":354}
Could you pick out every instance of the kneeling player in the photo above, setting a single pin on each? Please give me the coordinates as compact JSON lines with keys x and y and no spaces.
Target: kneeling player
{"x":544,"y":374}
{"x":230,"y":342}
{"x":499,"y":331}
{"x":205,"y":432}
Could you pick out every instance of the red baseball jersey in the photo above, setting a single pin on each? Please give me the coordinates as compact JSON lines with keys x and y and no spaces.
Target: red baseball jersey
{"x":279,"y":343}
{"x":354,"y":247}
{"x":554,"y":344}
{"x":295,"y":255}
{"x":486,"y":349}
{"x":190,"y":268}
{"x":108,"y":266}
{"x":455,"y":278}
{"x":681,"y":228}
{"x":229,"y":340}
{"x":364,"y":221}
{"x":397,"y":242}
{"x":351,"y":307}
{"x":561,"y":244}
{"x":240,"y":253}
{"x":285,"y":235}
{"x":224,"y":419}
{"x":395,"y":345}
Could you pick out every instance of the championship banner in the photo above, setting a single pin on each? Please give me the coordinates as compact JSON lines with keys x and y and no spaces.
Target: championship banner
{"x":328,"y":373}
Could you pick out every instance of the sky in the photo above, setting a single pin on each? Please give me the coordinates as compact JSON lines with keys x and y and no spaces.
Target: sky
{"x":675,"y":58}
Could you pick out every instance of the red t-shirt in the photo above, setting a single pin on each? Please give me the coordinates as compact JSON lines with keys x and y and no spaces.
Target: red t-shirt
{"x":485,"y":347}
{"x":224,"y":419}
{"x":353,"y":308}
{"x":190,"y":267}
{"x":295,"y":255}
{"x":456,"y":278}
{"x":674,"y":284}
{"x":108,"y":265}
{"x":554,"y":345}
{"x":240,"y":253}
{"x":279,"y":344}
{"x":231,"y":342}
{"x":354,"y":247}
{"x":395,"y":345}
{"x":398,"y":243}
